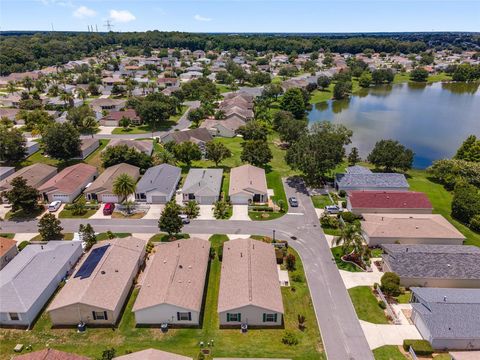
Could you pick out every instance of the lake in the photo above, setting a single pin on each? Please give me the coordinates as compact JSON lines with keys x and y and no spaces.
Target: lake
{"x":431,"y":119}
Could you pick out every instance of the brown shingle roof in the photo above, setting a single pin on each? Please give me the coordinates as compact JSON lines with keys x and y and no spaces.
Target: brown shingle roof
{"x":35,"y":175}
{"x":50,"y":354}
{"x":69,"y":179}
{"x":191,"y":135}
{"x":105,"y":181}
{"x":117,"y":115}
{"x":6,"y":245}
{"x":249,"y":276}
{"x":145,"y":146}
{"x":247,"y":179}
{"x":152,"y":354}
{"x":176,"y":275}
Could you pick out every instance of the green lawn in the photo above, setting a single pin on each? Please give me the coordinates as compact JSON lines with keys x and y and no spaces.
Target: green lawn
{"x":388,"y":352}
{"x":404,"y":298}
{"x":337,"y":255}
{"x":228,"y":343}
{"x":65,"y":236}
{"x":94,"y":158}
{"x":366,"y":305}
{"x":322,"y":95}
{"x":104,"y":236}
{"x":441,"y":200}
{"x":223,"y":88}
{"x":320,"y":201}
{"x":162,"y":237}
{"x":65,"y":214}
{"x":7,"y":235}
{"x":405,"y":77}
{"x":263,"y":215}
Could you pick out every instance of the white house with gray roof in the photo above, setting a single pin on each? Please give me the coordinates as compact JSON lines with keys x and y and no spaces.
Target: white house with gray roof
{"x":158,"y":184}
{"x":203,"y":186}
{"x":447,"y":318}
{"x":31,"y":278}
{"x":361,"y":178}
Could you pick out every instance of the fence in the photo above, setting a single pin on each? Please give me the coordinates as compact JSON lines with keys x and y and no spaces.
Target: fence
{"x":412,"y":353}
{"x":389,"y":309}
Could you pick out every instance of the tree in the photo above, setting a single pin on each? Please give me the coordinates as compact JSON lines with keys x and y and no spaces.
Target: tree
{"x":49,"y":227}
{"x":79,"y":207}
{"x":61,"y":141}
{"x":290,"y":262}
{"x":351,"y":241}
{"x":90,"y":125}
{"x":272,"y":91}
{"x":280,"y":117}
{"x":22,"y":196}
{"x":153,"y":112}
{"x":256,"y":152}
{"x":390,"y":284}
{"x":380,"y":76}
{"x":191,"y":209}
{"x":170,"y":220}
{"x":12,"y":144}
{"x":87,"y":234}
{"x":419,"y":74}
{"x":221,"y":209}
{"x":253,"y":130}
{"x":469,"y":150}
{"x":365,"y":79}
{"x":465,"y":202}
{"x":124,"y":122}
{"x":217,"y":152}
{"x":196,"y":115}
{"x":342,"y":90}
{"x":323,"y":82}
{"x":76,"y":115}
{"x":123,"y":185}
{"x":113,"y":155}
{"x":36,"y":120}
{"x":353,"y":157}
{"x":319,"y":151}
{"x":293,"y":101}
{"x":187,"y":152}
{"x":291,"y":130}
{"x":108,"y":354}
{"x":390,"y":155}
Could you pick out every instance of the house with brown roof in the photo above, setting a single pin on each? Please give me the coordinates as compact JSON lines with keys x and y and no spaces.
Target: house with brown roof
{"x":36,"y":175}
{"x":152,"y":354}
{"x":8,"y":250}
{"x":102,"y":188}
{"x":432,"y":229}
{"x":113,"y":118}
{"x":88,"y":146}
{"x":223,"y":128}
{"x":107,"y":104}
{"x":96,"y":292}
{"x":168,"y":82}
{"x":199,"y":136}
{"x":68,"y":183}
{"x":145,"y":146}
{"x":243,"y":113}
{"x":172,"y":289}
{"x":248,"y":184}
{"x":398,"y":202}
{"x":249,"y":287}
{"x":50,"y":354}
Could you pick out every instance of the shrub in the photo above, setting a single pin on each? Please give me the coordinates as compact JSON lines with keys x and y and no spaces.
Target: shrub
{"x":22,"y":245}
{"x":290,"y":262}
{"x":421,"y":347}
{"x":390,"y":284}
{"x":349,"y":217}
{"x":465,"y":202}
{"x":297,"y":278}
{"x":344,"y":204}
{"x":328,"y":221}
{"x":382,"y":304}
{"x":475,"y":223}
{"x":261,"y":208}
{"x":289,"y":338}
{"x":342,"y":193}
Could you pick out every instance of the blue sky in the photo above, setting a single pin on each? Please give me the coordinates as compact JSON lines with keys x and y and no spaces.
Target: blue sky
{"x":243,"y":15}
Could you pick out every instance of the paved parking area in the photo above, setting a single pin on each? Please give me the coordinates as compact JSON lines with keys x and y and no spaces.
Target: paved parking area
{"x":379,"y":335}
{"x":99,"y":214}
{"x":105,"y":130}
{"x":206,"y":212}
{"x":155,"y":211}
{"x":240,"y":212}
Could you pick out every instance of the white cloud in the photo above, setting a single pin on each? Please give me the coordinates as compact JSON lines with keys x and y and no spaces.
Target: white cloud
{"x":84,"y":12}
{"x":201,"y":18}
{"x":122,"y":16}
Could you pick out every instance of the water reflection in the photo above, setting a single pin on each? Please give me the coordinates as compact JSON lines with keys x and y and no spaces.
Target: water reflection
{"x":431,"y":119}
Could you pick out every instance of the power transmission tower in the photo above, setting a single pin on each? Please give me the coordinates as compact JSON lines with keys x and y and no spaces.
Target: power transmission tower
{"x":108,"y":25}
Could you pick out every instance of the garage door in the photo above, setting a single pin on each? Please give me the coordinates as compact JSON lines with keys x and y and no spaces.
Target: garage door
{"x":110,"y":123}
{"x":159,"y":199}
{"x":62,"y":198}
{"x":109,"y":198}
{"x":240,"y":199}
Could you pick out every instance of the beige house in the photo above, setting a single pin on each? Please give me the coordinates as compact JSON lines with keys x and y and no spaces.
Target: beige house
{"x":88,"y":146}
{"x":249,"y":287}
{"x":248,"y":184}
{"x":152,"y":354}
{"x":102,"y":188}
{"x":36,"y":175}
{"x":172,"y":289}
{"x":145,"y":146}
{"x":98,"y":289}
{"x":223,"y":128}
{"x":378,"y":229}
{"x":8,"y":250}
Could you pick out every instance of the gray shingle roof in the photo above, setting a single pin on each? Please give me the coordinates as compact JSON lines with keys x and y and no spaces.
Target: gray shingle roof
{"x":161,"y":179}
{"x":377,"y":180}
{"x":357,"y":169}
{"x":205,"y":182}
{"x":449,"y":313}
{"x":433,"y":261}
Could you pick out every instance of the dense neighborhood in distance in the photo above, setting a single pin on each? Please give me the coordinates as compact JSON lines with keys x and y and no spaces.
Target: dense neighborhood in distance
{"x":167,"y":196}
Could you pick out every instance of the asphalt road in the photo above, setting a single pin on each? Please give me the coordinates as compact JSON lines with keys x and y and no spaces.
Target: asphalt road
{"x":342,"y":335}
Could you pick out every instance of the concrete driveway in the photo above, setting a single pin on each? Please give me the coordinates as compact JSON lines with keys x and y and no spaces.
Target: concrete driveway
{"x":155,"y":211}
{"x":206,"y":212}
{"x":379,"y":335}
{"x":240,"y":212}
{"x":352,"y":279}
{"x":99,"y":214}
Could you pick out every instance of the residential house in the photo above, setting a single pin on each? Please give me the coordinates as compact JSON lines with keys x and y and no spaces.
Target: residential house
{"x":248,"y":184}
{"x":203,"y":186}
{"x":454,"y":266}
{"x":199,"y":136}
{"x":447,"y":318}
{"x":378,"y":229}
{"x":97,"y":291}
{"x":10,"y":100}
{"x":8,"y":250}
{"x":249,"y":287}
{"x":107,"y":104}
{"x":32,"y":147}
{"x":49,"y":354}
{"x":68,"y":183}
{"x":6,"y":171}
{"x":399,"y":202}
{"x":158,"y":184}
{"x":30,"y":279}
{"x":243,"y":113}
{"x":36,"y":175}
{"x":152,"y":354}
{"x":88,"y":146}
{"x":223,"y":128}
{"x":102,"y":188}
{"x":366,"y":180}
{"x":168,"y":82}
{"x":172,"y":289}
{"x":113,"y":118}
{"x":145,"y":146}
{"x":190,"y":75}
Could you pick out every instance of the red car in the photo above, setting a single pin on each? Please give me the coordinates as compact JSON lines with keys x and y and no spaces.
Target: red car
{"x":108,"y":208}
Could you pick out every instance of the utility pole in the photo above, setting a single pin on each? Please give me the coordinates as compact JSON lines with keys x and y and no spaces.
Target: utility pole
{"x":108,"y":25}
{"x":96,"y":28}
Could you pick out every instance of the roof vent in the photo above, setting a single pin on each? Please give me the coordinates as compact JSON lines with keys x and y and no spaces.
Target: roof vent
{"x":180,"y":266}
{"x":189,"y":266}
{"x":241,"y":254}
{"x":445,"y":299}
{"x":164,"y":261}
{"x":449,"y":265}
{"x":116,"y":270}
{"x":102,"y":272}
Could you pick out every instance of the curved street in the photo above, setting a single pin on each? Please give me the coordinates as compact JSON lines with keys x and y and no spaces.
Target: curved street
{"x":342,"y":335}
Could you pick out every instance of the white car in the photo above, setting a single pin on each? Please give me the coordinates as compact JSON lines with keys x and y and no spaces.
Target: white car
{"x":54,"y":205}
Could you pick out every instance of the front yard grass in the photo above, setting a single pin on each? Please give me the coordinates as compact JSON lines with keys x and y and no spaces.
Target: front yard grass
{"x":388,"y":352}
{"x":162,"y":237}
{"x":65,"y":236}
{"x":366,"y":305}
{"x":228,"y":342}
{"x":342,"y":265}
{"x":404,"y":298}
{"x":320,"y":201}
{"x":65,"y":214}
{"x":104,"y":236}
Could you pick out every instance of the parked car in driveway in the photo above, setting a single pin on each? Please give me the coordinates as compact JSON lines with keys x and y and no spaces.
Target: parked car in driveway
{"x":54,"y":205}
{"x":108,"y":209}
{"x":293,"y":201}
{"x":332,"y":209}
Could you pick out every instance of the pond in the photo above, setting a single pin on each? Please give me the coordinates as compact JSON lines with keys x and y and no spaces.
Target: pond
{"x":431,"y":119}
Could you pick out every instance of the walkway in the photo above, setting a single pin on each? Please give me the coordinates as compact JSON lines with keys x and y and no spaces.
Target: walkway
{"x":380,"y":335}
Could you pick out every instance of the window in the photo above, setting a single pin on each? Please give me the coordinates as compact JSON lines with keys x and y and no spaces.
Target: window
{"x":234,"y":317}
{"x":184,"y":316}
{"x":14,"y":316}
{"x":269,"y":317}
{"x":99,"y":315}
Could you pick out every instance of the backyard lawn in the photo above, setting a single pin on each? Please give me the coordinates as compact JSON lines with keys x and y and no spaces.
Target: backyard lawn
{"x":366,"y":305}
{"x":388,"y":352}
{"x":231,"y":343}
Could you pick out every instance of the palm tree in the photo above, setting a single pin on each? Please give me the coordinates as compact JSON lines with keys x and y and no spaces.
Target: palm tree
{"x":143,"y":86}
{"x":82,"y":94}
{"x":11,"y":87}
{"x":90,"y":125}
{"x":351,"y":240}
{"x":123,"y":186}
{"x":67,"y":99}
